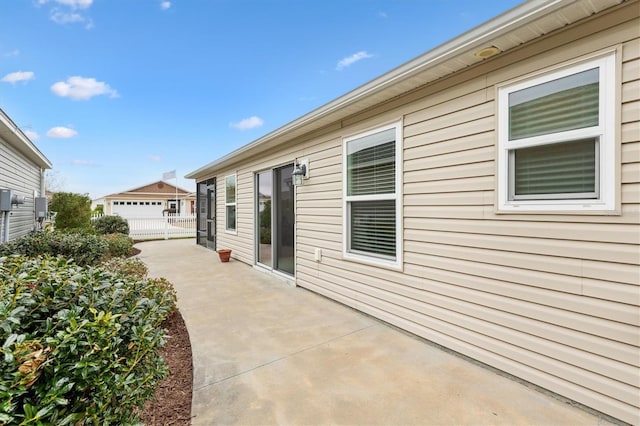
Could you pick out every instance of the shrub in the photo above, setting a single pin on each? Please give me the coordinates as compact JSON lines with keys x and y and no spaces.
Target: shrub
{"x":80,"y":345}
{"x":119,"y":244}
{"x":84,"y":249}
{"x":131,"y":267}
{"x":32,"y":245}
{"x":73,"y":210}
{"x":111,"y":225}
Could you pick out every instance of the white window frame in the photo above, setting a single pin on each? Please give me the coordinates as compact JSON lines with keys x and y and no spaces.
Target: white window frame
{"x":604,"y":133}
{"x":377,"y":260}
{"x":227,"y":204}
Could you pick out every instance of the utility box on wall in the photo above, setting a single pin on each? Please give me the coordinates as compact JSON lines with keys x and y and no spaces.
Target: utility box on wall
{"x":8,"y":199}
{"x":6,"y":196}
{"x":40,"y":207}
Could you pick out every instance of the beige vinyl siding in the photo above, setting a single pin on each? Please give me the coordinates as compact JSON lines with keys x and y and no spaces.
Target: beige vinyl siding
{"x":551,"y":298}
{"x":23,"y":177}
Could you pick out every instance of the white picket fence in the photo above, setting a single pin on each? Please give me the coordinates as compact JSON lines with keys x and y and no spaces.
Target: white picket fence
{"x":161,"y":227}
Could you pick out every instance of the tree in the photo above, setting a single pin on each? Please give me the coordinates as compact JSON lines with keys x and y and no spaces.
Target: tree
{"x":54,"y":181}
{"x":73,"y":211}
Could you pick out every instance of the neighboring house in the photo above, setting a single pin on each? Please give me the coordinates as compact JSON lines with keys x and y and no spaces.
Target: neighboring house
{"x":22,"y":171}
{"x":484,"y":196}
{"x":154,"y":199}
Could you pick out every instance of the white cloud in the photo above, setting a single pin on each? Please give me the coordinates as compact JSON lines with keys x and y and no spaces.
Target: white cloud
{"x":83,"y":163}
{"x":64,"y":18}
{"x":61,"y":132}
{"x":18,"y":76}
{"x":247,"y":123}
{"x":80,"y":88}
{"x":14,"y":52}
{"x":350,"y":60}
{"x":32,"y":135}
{"x":155,"y":158}
{"x":383,"y":14}
{"x":165,"y":5}
{"x":75,"y":4}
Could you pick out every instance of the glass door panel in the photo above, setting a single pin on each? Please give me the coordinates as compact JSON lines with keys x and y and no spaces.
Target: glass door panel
{"x":265,"y":191}
{"x":284,"y":259}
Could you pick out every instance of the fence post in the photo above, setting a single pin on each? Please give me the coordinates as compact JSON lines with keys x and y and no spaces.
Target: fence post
{"x":166,"y":227}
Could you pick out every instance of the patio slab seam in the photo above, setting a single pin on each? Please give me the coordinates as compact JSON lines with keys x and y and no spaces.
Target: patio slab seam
{"x":308,"y":348}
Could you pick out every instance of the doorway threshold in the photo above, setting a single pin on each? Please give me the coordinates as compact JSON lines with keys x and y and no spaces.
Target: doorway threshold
{"x":288,"y":279}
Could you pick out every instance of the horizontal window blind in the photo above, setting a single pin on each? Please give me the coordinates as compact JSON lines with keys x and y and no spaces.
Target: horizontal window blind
{"x":559,"y":105}
{"x":371,"y":165}
{"x":562,"y":168}
{"x":373,"y":227}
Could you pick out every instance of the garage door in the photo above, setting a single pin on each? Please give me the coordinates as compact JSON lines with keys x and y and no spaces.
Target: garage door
{"x":137,"y":208}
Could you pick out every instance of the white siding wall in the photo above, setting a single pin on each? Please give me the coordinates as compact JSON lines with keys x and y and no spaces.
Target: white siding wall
{"x":552,"y":298}
{"x":23,"y":178}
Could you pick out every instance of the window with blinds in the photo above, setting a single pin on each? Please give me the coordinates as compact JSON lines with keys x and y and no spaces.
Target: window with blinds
{"x":563,"y":170}
{"x":555,"y":134}
{"x":371,"y":201}
{"x":373,"y":227}
{"x":566,"y":103}
{"x":230,"y":203}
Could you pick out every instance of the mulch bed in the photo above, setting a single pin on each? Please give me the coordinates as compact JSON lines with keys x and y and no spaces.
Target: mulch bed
{"x":172,"y":404}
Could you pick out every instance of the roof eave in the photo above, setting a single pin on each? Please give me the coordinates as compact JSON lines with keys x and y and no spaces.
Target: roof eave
{"x":14,"y":136}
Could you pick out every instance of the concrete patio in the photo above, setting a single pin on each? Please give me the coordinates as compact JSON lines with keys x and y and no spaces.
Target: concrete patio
{"x":265,"y":352}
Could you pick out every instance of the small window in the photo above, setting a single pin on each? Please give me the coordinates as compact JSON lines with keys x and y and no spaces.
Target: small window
{"x":230,"y":202}
{"x":372,"y":201}
{"x":556,"y":139}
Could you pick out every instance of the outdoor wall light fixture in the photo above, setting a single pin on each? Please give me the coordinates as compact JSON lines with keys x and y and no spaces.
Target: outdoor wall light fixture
{"x":300,"y":172}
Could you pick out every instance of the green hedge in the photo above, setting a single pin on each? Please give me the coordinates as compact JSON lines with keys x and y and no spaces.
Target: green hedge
{"x":79,"y":344}
{"x":119,"y":244}
{"x":131,"y":267}
{"x":83,"y":248}
{"x":111,"y":225}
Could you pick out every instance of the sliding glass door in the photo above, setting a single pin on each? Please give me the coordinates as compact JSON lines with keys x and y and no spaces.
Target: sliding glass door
{"x":276,"y":219}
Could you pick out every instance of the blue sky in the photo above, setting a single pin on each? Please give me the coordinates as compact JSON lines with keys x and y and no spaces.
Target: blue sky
{"x":116,"y":92}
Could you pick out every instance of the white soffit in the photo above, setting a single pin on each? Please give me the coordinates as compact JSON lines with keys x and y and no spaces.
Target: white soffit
{"x":522,"y":24}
